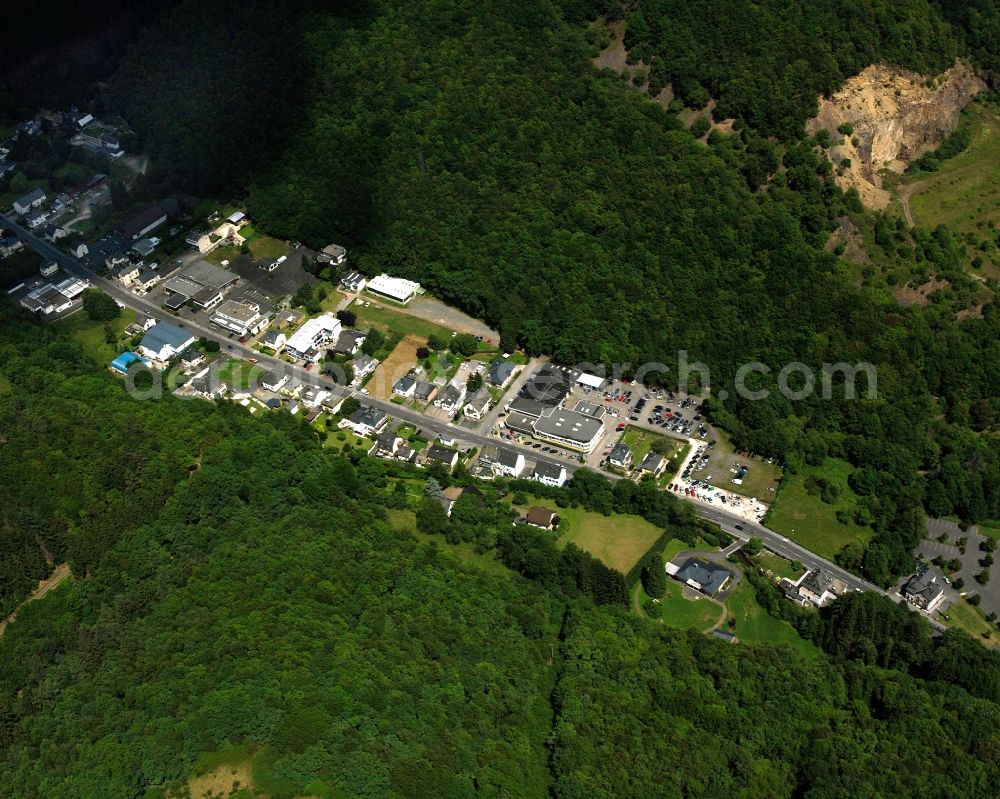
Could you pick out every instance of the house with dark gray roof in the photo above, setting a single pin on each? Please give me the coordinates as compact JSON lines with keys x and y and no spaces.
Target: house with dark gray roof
{"x":366,"y":421}
{"x":443,"y":455}
{"x":621,"y":456}
{"x":702,"y":575}
{"x":925,"y":589}
{"x":500,"y":372}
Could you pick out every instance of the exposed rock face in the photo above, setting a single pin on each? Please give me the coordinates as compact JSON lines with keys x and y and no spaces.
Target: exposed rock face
{"x":897,"y":118}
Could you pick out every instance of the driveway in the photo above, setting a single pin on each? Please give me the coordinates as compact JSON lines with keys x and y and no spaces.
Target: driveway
{"x":948,"y":549}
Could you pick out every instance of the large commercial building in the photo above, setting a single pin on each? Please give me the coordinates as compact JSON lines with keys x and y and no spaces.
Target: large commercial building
{"x":569,"y":429}
{"x":243,"y":318}
{"x":163,"y":341}
{"x":54,"y":296}
{"x":395,"y":288}
{"x":307,"y":342}
{"x":200,"y":283}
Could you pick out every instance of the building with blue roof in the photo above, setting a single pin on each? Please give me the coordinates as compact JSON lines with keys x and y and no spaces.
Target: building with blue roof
{"x":165,"y":340}
{"x":125,"y":360}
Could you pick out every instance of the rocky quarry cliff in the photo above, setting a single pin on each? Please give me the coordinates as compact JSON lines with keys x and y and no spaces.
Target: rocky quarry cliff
{"x":897,"y":116}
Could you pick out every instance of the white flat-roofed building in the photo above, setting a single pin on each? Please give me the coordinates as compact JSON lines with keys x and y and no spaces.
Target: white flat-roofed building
{"x":306,"y":342}
{"x":576,"y":431}
{"x":395,"y":288}
{"x":591,"y":381}
{"x":242,"y":318}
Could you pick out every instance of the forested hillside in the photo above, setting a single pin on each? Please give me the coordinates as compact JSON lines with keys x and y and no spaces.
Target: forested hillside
{"x":474,"y":148}
{"x":263,"y":602}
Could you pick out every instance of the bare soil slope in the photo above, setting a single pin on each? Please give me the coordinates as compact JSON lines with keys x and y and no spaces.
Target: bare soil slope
{"x":897,"y":116}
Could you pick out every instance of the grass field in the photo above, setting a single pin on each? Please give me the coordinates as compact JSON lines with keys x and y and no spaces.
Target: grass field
{"x":809,"y":521}
{"x":964,"y":192}
{"x":90,"y":334}
{"x":239,"y":374}
{"x":262,"y":245}
{"x":966,"y":617}
{"x":686,"y":614}
{"x":762,"y":475}
{"x":641,"y":441}
{"x":389,"y":320}
{"x":619,"y":541}
{"x":779,"y":565}
{"x":399,"y":362}
{"x":755,"y":625}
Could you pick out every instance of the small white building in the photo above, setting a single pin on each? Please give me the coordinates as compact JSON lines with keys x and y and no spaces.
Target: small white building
{"x":450,"y":398}
{"x":551,"y":474}
{"x":478,"y":406}
{"x":395,"y":288}
{"x":366,"y":422}
{"x":33,"y":199}
{"x":508,"y":462}
{"x":405,"y":387}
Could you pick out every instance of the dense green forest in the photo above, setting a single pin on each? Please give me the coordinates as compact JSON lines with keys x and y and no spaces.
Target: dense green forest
{"x":475,"y":149}
{"x":260,"y":599}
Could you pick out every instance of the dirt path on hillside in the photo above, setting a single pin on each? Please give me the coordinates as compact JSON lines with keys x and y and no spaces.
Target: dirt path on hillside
{"x":44,"y":586}
{"x":905,"y":192}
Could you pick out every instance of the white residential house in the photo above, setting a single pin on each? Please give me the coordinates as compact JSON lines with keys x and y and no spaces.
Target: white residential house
{"x":366,"y":421}
{"x":48,"y":268}
{"x":354,"y":281}
{"x":363,"y":366}
{"x":273,"y":381}
{"x":552,"y":474}
{"x":274,"y":339}
{"x":925,"y":590}
{"x":450,"y":398}
{"x":508,"y":462}
{"x":621,"y":456}
{"x":334,"y":254}
{"x":33,"y":199}
{"x":35,"y":218}
{"x":479,"y":405}
{"x":405,"y":387}
{"x":444,"y":455}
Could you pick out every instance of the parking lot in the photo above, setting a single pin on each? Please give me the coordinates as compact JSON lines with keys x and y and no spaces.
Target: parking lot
{"x":284,"y":280}
{"x":948,"y":549}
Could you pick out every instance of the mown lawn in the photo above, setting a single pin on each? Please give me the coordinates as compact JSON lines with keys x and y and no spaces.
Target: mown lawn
{"x":618,"y":540}
{"x":779,"y":565}
{"x":91,"y":335}
{"x":641,"y":442}
{"x":807,"y":519}
{"x":966,"y":617}
{"x":686,"y":614}
{"x":239,"y":374}
{"x":756,"y":626}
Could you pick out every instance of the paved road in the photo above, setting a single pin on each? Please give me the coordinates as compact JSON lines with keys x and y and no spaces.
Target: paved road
{"x":726,"y":520}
